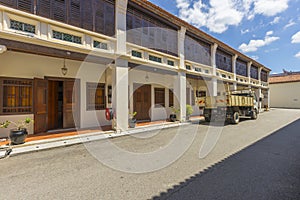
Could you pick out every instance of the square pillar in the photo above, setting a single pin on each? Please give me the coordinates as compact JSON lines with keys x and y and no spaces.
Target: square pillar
{"x":259,"y":96}
{"x":213,"y":90}
{"x":120,"y":94}
{"x":120,"y":19}
{"x":234,"y":58}
{"x":180,"y":94}
{"x":249,"y":71}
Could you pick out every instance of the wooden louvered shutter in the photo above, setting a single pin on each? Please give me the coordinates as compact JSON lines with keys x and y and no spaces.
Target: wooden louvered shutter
{"x":109,"y":19}
{"x":59,"y":10}
{"x":44,"y":8}
{"x":25,"y":5}
{"x":87,"y":15}
{"x":10,"y":3}
{"x":99,"y":16}
{"x":74,"y":12}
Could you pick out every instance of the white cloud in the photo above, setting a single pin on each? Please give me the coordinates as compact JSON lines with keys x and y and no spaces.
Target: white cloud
{"x":291,"y":23}
{"x":297,"y":55}
{"x":254,"y":45}
{"x":269,"y":33}
{"x":255,"y":57}
{"x":275,"y":20}
{"x":296,"y":38}
{"x":270,"y":7}
{"x":218,"y":15}
{"x":245,"y":31}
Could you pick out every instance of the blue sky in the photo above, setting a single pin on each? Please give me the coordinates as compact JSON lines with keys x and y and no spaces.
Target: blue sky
{"x":266,"y":30}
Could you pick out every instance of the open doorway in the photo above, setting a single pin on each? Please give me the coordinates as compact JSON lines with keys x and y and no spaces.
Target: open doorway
{"x":55,"y":104}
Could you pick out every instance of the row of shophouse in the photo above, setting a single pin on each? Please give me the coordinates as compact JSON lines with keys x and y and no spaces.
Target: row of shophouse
{"x":64,"y":61}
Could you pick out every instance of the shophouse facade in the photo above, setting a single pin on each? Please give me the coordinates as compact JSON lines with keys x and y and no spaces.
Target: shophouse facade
{"x":64,"y":61}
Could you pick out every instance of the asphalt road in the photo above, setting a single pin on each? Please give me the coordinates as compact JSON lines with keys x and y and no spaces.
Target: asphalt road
{"x":96,"y":171}
{"x":269,"y":169}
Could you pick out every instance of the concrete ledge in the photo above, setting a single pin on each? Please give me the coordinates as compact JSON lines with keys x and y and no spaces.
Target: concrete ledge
{"x":88,"y":137}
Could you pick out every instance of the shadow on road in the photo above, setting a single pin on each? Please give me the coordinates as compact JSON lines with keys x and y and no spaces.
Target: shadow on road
{"x":268,"y":169}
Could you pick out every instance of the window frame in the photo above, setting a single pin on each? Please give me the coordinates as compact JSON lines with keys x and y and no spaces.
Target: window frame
{"x":159,"y":102}
{"x":93,"y":87}
{"x":18,"y":96}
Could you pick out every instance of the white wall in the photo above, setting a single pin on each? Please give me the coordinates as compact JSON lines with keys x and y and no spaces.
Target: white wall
{"x":21,"y":65}
{"x":285,"y":95}
{"x":155,"y":80}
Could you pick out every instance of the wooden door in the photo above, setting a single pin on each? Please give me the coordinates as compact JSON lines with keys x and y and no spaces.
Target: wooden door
{"x":40,"y":105}
{"x":53,"y":105}
{"x":71,"y":103}
{"x":142,"y":102}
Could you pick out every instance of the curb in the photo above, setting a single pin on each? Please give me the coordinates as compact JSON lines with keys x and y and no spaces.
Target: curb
{"x":45,"y":144}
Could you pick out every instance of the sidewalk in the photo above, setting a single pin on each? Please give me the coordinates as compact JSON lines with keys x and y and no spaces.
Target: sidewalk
{"x":53,"y":140}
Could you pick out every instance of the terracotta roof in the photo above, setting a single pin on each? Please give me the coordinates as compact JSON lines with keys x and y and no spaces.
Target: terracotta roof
{"x":284,"y":78}
{"x":172,"y":18}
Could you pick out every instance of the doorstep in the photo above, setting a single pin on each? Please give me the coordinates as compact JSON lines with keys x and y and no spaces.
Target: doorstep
{"x":83,"y":137}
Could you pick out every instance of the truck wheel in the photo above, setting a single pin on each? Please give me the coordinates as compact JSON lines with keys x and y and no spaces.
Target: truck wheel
{"x":235,"y":118}
{"x":254,"y":114}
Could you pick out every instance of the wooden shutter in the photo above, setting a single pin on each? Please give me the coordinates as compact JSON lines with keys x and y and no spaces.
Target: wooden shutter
{"x":25,"y":5}
{"x":109,"y":19}
{"x":10,"y":3}
{"x":99,"y":16}
{"x":44,"y":8}
{"x":58,"y":10}
{"x":74,"y":12}
{"x":87,"y":15}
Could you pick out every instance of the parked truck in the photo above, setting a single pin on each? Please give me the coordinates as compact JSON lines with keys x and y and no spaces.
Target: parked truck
{"x":230,"y":106}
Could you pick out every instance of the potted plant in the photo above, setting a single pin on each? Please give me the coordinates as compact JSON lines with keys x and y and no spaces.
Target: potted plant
{"x":189,"y":111}
{"x":132,"y":120}
{"x":19,"y":133}
{"x":173,"y":116}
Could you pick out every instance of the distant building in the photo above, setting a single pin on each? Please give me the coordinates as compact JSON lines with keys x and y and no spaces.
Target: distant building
{"x":284,"y":89}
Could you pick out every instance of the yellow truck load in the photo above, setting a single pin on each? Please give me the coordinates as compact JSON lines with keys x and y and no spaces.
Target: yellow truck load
{"x":231,"y":106}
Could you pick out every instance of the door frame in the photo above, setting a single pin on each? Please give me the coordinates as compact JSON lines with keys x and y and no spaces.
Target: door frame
{"x":139,"y":85}
{"x":50,"y":78}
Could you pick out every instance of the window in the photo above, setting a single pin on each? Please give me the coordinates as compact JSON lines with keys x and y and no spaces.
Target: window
{"x":17,"y":96}
{"x":100,"y":45}
{"x":20,"y":26}
{"x":171,"y":62}
{"x":188,"y":67}
{"x":197,"y":69}
{"x":171,"y":98}
{"x":159,"y":97}
{"x":154,"y":58}
{"x":136,"y":54}
{"x":66,"y":37}
{"x":95,"y":96}
{"x":200,"y":93}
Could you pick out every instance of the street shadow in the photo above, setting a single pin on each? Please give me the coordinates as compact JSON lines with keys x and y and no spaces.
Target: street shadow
{"x":268,"y":169}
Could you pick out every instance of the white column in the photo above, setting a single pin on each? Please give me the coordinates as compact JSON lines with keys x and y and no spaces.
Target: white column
{"x":120,"y":94}
{"x":181,"y":38}
{"x":180,"y":82}
{"x":249,"y":71}
{"x":234,"y":58}
{"x":121,"y":9}
{"x":214,"y":87}
{"x":180,"y":94}
{"x":259,"y":75}
{"x":259,"y":97}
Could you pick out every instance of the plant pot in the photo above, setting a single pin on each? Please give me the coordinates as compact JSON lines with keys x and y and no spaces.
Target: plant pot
{"x":173,"y":117}
{"x":18,"y":136}
{"x":132,"y":123}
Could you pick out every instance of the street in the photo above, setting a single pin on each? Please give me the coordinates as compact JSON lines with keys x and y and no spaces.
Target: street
{"x":226,"y":169}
